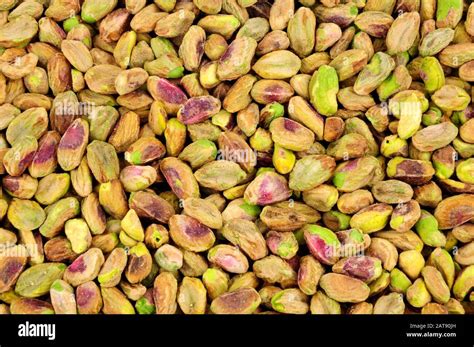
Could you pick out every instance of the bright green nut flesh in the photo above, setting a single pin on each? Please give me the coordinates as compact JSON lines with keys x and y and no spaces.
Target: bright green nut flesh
{"x":323,"y":89}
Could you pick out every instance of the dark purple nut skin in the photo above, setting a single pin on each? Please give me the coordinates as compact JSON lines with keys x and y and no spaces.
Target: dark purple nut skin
{"x":361,"y":267}
{"x":149,"y":205}
{"x":198,"y":109}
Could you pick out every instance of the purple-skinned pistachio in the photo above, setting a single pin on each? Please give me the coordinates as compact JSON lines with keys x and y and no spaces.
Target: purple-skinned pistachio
{"x":169,"y":257}
{"x":180,"y":178}
{"x":267,"y":91}
{"x":17,"y":159}
{"x":44,"y":161}
{"x":12,"y":263}
{"x":410,"y":171}
{"x":405,"y":216}
{"x":322,"y":243}
{"x":190,"y":234}
{"x":22,"y":187}
{"x":88,"y":298}
{"x":342,"y":15}
{"x":236,"y":60}
{"x":303,"y":155}
{"x":172,"y":97}
{"x":354,"y":174}
{"x":146,"y":304}
{"x":144,"y":150}
{"x":73,"y":144}
{"x":229,"y":258}
{"x":291,"y":135}
{"x":198,"y":109}
{"x":31,"y":306}
{"x":364,"y":268}
{"x":191,"y":49}
{"x":149,"y":205}
{"x":135,"y":177}
{"x":139,"y":263}
{"x":454,"y":211}
{"x":353,"y":242}
{"x":234,"y":148}
{"x":85,"y":268}
{"x":267,"y":188}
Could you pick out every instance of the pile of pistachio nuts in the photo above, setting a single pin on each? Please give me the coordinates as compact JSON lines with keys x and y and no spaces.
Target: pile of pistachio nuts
{"x":236,"y":156}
